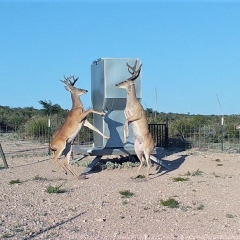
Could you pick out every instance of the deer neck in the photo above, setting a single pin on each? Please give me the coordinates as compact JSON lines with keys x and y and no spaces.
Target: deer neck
{"x":131,"y":94}
{"x":76,"y":102}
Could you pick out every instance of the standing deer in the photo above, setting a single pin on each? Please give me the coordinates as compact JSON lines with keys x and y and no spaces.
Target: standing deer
{"x":72,"y":84}
{"x":76,"y":118}
{"x":135,"y":114}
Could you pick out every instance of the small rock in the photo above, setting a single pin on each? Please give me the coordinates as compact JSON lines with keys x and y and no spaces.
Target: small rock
{"x":101,"y":219}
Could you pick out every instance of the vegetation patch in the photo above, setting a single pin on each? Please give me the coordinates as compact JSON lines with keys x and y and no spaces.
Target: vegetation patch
{"x":200,"y":207}
{"x":124,"y":162}
{"x":16,"y":181}
{"x":125,"y":201}
{"x":180,"y":179}
{"x":126,"y":194}
{"x":171,"y":203}
{"x":197,"y":173}
{"x":51,"y":189}
{"x":229,"y":215}
{"x":140,"y":176}
{"x":185,"y":208}
{"x":38,"y":178}
{"x":6,"y":235}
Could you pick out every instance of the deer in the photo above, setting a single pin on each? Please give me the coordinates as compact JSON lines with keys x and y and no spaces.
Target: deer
{"x":135,"y":114}
{"x":77,"y":117}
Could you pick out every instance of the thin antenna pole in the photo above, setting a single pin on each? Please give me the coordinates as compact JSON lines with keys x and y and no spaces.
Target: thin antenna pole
{"x":219,"y":104}
{"x":156,"y":101}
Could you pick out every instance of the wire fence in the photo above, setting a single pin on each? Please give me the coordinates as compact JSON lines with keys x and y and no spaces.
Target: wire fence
{"x":43,"y":134}
{"x":203,"y":138}
{"x":207,"y":137}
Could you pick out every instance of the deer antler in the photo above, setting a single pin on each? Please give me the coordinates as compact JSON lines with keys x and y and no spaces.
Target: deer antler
{"x":69,"y":84}
{"x":135,"y":73}
{"x":67,"y":80}
{"x":74,"y":80}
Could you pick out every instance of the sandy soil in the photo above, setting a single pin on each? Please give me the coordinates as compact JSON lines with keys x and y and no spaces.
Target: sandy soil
{"x":208,"y":201}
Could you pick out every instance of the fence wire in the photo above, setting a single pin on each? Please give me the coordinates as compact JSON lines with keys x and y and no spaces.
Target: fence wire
{"x":207,"y":137}
{"x":43,"y":134}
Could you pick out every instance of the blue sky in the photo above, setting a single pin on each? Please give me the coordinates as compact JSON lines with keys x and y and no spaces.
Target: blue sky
{"x":190,"y":51}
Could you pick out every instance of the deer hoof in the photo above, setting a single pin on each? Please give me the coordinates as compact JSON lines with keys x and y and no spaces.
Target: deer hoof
{"x":82,"y":176}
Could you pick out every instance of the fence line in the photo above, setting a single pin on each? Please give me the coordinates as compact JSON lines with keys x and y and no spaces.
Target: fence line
{"x":207,"y":137}
{"x":41,"y":134}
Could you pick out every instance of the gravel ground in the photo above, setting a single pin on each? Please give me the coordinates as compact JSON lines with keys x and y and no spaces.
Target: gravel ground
{"x":204,"y":187}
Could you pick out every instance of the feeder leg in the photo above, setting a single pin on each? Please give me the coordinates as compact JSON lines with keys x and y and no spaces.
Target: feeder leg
{"x":92,"y":164}
{"x":78,"y":159}
{"x":159,"y":162}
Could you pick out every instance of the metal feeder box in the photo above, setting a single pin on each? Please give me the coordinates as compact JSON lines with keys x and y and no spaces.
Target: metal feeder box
{"x":105,"y":74}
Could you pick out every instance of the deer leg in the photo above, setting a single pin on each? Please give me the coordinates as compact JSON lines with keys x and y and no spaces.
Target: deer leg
{"x":57,"y":153}
{"x":138,"y":147}
{"x":89,"y":125}
{"x":148,"y":160}
{"x":81,"y":116}
{"x":67,"y":152}
{"x":125,"y":131}
{"x":97,"y":112}
{"x":128,"y":113}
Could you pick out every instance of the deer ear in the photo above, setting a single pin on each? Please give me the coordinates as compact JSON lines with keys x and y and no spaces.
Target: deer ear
{"x":67,"y":88}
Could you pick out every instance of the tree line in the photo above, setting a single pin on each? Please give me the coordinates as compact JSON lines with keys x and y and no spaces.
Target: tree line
{"x":14,"y":118}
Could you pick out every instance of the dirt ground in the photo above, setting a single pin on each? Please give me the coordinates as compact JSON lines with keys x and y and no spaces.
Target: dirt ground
{"x":203,"y":187}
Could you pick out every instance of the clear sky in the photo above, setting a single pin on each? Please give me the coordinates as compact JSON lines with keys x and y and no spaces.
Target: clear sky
{"x":190,"y":51}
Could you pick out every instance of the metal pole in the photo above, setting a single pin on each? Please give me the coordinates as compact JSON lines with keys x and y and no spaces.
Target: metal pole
{"x":3,"y":157}
{"x":49,"y":128}
{"x":222,"y":120}
{"x":166,"y":134}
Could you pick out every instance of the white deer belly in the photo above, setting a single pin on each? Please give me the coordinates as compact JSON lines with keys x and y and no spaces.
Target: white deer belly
{"x":74,"y":134}
{"x":137,"y":132}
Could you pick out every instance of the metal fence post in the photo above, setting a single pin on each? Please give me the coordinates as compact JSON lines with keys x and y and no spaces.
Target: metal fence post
{"x":166,"y":134}
{"x":49,"y":127}
{"x":3,"y":157}
{"x":222,"y":128}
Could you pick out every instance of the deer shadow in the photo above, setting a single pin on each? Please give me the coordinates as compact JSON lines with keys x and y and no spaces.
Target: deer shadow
{"x":171,"y":164}
{"x":115,"y":138}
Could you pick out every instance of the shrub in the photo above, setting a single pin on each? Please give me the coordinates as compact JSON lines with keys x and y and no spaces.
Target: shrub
{"x":171,"y":203}
{"x":126,"y":194}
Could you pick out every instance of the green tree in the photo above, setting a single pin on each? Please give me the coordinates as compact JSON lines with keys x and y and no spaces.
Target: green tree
{"x":50,"y":109}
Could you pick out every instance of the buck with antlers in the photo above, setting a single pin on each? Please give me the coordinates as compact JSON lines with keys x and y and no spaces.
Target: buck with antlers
{"x":135,"y":114}
{"x":77,"y":117}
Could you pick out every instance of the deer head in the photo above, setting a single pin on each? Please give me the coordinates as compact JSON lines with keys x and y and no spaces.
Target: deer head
{"x":131,"y":80}
{"x":70,"y":86}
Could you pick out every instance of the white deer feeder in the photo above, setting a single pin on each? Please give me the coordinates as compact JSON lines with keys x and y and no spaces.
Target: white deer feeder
{"x":105,"y":74}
